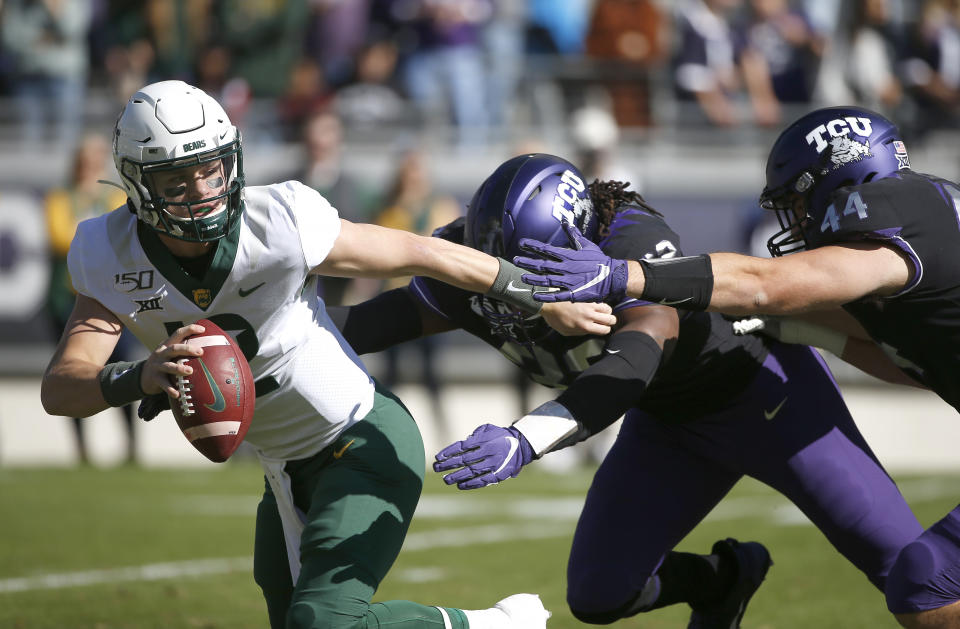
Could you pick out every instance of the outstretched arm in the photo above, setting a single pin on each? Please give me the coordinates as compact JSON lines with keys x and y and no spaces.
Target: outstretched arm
{"x":364,"y":250}
{"x":818,"y":279}
{"x":366,"y":329}
{"x":596,"y":398}
{"x":835,"y":331}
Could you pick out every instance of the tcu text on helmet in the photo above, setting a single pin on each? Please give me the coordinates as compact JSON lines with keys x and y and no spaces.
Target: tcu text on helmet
{"x":838,"y":127}
{"x":565,"y":206}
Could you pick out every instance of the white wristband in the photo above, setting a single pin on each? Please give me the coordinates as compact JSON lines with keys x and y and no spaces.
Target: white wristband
{"x":546,"y":426}
{"x":803,"y":333}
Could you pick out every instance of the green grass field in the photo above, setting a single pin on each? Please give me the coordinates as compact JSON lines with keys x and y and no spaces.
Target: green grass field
{"x":154,"y":548}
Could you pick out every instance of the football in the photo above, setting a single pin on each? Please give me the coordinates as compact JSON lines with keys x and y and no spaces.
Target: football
{"x":216,"y":401}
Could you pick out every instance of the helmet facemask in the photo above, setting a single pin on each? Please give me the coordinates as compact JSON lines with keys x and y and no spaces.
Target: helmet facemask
{"x":512,"y":325}
{"x":188,"y":219}
{"x":789,"y":205}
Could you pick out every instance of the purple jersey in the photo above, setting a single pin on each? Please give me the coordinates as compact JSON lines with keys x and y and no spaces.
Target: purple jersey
{"x":708,"y":366}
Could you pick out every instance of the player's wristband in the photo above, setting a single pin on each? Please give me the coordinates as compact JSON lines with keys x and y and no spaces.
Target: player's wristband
{"x":509,"y":287}
{"x":120,"y":382}
{"x":685,"y":282}
{"x":546,"y":426}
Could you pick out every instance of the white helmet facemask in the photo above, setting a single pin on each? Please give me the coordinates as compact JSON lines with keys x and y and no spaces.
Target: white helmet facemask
{"x":171,"y":125}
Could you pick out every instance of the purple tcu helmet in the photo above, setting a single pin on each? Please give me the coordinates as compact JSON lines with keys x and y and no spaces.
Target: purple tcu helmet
{"x":824,"y":150}
{"x":528,"y":196}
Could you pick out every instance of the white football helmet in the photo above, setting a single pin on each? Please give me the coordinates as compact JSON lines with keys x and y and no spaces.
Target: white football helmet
{"x":166,"y":126}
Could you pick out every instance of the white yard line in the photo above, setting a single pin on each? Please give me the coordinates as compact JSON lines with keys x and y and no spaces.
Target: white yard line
{"x":524,"y":521}
{"x":426,"y":540}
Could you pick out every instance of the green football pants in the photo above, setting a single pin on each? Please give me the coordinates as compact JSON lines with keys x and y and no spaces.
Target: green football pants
{"x":358,"y":495}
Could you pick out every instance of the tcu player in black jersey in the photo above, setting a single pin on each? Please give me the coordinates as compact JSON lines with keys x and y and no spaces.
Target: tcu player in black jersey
{"x":703,"y":408}
{"x":871,"y":238}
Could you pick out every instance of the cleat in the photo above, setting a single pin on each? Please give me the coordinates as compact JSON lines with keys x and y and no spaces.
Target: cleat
{"x":753,"y":562}
{"x":525,"y":611}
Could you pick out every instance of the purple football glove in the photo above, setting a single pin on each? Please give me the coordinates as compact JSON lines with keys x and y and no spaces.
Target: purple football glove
{"x":491,"y":454}
{"x":583,"y":273}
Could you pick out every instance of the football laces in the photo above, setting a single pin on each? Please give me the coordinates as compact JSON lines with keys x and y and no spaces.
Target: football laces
{"x":184,"y":388}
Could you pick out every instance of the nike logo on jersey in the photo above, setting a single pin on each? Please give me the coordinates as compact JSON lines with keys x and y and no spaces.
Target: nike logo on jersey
{"x":613,"y":351}
{"x":514,"y":444}
{"x":339,"y":453}
{"x":768,"y":415}
{"x":601,"y":275}
{"x":673,"y":302}
{"x":516,"y":289}
{"x":219,"y":404}
{"x":244,"y":293}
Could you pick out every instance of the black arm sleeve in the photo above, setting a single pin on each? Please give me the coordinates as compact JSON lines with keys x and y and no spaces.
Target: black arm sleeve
{"x":386,"y":320}
{"x":613,"y":384}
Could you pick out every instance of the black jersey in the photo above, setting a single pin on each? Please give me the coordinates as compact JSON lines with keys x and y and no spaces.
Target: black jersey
{"x":919,"y":215}
{"x":707,"y":368}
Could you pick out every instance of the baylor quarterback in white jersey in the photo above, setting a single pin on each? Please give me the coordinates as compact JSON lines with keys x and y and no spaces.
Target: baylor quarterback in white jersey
{"x":257,"y":288}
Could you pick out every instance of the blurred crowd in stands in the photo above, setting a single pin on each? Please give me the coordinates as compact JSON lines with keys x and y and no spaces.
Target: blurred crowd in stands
{"x":306,"y":73}
{"x":471,"y":63}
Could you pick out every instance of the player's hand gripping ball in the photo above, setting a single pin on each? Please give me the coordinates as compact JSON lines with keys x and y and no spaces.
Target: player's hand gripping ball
{"x":216,"y":401}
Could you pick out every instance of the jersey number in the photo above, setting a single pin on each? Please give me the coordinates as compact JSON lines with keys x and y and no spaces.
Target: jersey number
{"x":246,"y":337}
{"x":855,"y":205}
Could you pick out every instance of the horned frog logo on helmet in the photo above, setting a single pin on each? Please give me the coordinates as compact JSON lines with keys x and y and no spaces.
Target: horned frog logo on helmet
{"x":845,"y":150}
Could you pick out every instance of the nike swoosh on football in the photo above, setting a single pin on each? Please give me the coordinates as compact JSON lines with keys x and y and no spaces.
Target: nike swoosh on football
{"x":514,"y":444}
{"x":516,"y":289}
{"x":768,"y":415}
{"x":601,"y":275}
{"x":218,"y":402}
{"x":339,"y":453}
{"x":244,"y":293}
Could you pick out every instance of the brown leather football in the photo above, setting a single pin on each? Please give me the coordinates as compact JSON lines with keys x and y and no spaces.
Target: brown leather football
{"x":217,"y":400}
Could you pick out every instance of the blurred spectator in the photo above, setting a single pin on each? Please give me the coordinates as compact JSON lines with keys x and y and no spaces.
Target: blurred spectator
{"x":860,"y":65}
{"x":931,"y":69}
{"x":127,"y":67}
{"x":265,"y":39}
{"x":629,"y":33}
{"x":372,"y":99}
{"x":338,"y":30}
{"x":178,"y":30}
{"x":871,"y":72}
{"x":716,"y":69}
{"x":47,"y":44}
{"x":413,"y":205}
{"x":786,"y":40}
{"x":80,"y":199}
{"x":504,"y":39}
{"x":306,"y":93}
{"x":596,"y":138}
{"x":442,"y":70}
{"x":557,"y":32}
{"x":323,"y":170}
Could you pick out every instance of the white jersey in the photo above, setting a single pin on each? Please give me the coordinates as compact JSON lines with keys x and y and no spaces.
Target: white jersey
{"x":312,"y":385}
